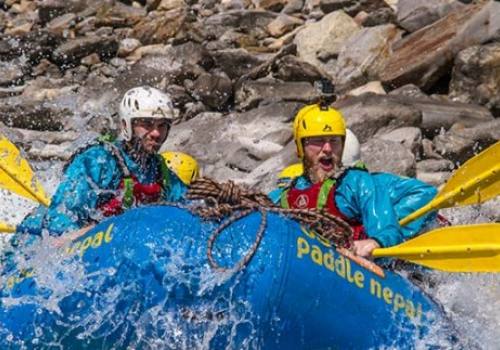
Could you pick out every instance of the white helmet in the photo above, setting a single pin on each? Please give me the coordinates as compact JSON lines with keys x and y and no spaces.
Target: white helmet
{"x":144,"y":102}
{"x":352,"y":149}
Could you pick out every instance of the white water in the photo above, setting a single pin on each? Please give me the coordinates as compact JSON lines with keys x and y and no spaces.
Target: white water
{"x":472,"y":300}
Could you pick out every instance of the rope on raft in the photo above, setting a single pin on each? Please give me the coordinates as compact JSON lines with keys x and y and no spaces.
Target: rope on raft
{"x":228,"y":199}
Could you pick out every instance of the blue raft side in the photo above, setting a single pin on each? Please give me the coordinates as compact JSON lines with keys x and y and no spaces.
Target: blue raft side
{"x":296,"y":293}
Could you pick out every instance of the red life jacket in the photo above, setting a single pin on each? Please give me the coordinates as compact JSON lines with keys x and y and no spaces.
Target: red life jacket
{"x":130,"y":191}
{"x":318,"y":196}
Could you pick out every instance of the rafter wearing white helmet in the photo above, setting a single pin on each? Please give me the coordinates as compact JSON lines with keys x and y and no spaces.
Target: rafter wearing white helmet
{"x":144,"y":102}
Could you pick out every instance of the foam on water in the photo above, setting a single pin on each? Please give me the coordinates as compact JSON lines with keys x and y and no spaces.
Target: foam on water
{"x":471,"y":300}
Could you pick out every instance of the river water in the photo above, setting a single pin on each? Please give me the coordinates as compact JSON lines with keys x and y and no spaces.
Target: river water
{"x":472,"y":300}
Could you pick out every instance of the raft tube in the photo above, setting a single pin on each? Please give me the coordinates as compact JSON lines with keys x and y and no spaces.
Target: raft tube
{"x":142,"y":281}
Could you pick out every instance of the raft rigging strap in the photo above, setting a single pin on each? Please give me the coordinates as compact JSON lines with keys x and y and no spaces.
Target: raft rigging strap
{"x":229,"y":199}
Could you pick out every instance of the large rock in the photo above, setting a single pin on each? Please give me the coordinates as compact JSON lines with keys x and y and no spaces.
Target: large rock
{"x":265,"y":176}
{"x":426,"y":55}
{"x":50,"y":9}
{"x":237,"y":143}
{"x":319,"y":43}
{"x":370,"y":113}
{"x":119,"y":15}
{"x":19,"y":112}
{"x":253,"y":93}
{"x":252,"y":22}
{"x":413,"y":15}
{"x":435,"y":165}
{"x":387,"y":156}
{"x":35,"y":45}
{"x":158,"y":27}
{"x":352,"y":7}
{"x":12,"y":72}
{"x":438,"y":115}
{"x":283,"y":24}
{"x":214,"y":90}
{"x":291,"y":68}
{"x":363,"y":55}
{"x":74,"y":50}
{"x":171,"y":64}
{"x":433,"y":115}
{"x":476,"y":77}
{"x":236,"y":62}
{"x":460,"y":143}
{"x":410,"y":137}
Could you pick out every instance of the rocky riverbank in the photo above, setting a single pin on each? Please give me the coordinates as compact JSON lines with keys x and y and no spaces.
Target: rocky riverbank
{"x":418,"y":81}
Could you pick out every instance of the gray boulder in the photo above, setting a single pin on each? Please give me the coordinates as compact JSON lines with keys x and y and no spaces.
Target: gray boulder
{"x":476,"y":77}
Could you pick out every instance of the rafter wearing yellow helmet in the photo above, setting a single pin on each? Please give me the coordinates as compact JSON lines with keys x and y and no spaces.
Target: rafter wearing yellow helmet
{"x":315,"y":120}
{"x":183,"y":165}
{"x":371,"y":203}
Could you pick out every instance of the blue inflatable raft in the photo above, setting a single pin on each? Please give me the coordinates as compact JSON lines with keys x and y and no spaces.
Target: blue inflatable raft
{"x":142,"y":281}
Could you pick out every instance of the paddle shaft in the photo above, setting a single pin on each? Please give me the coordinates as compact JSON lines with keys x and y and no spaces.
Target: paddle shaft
{"x":473,"y":182}
{"x":6,"y":228}
{"x":441,"y":250}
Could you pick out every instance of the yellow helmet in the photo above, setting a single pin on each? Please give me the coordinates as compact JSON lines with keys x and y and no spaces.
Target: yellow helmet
{"x":183,"y":165}
{"x":314,"y":120}
{"x":289,"y":173}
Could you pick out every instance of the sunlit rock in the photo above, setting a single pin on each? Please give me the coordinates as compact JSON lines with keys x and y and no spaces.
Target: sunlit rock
{"x":362,"y":57}
{"x":410,"y":137}
{"x":413,"y":15}
{"x":426,"y":55}
{"x":374,"y":154}
{"x":283,"y":24}
{"x":368,"y":113}
{"x":329,"y":34}
{"x":352,"y":7}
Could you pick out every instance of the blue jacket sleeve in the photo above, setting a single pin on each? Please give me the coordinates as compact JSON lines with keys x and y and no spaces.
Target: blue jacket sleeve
{"x":176,"y":189}
{"x":275,"y":195}
{"x":407,"y":195}
{"x":73,"y":205}
{"x":359,"y":197}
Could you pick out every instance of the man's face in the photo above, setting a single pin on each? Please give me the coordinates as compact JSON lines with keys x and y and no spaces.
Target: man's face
{"x":150,"y":132}
{"x":322,"y":156}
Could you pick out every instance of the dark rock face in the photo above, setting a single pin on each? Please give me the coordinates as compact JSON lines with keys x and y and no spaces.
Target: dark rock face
{"x":418,"y":81}
{"x":74,"y":50}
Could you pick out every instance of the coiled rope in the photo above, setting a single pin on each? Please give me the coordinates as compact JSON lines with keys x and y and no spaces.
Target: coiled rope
{"x":228,"y":199}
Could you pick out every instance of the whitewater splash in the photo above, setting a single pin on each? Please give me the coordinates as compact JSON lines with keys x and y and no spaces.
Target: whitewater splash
{"x":471,"y":300}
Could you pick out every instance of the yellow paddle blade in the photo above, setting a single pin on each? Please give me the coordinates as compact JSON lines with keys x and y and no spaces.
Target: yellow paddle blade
{"x":16,"y":174}
{"x":476,"y":181}
{"x":464,"y":248}
{"x":6,"y":228}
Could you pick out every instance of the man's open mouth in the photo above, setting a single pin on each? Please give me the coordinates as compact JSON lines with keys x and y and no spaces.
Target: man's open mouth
{"x":326,"y":163}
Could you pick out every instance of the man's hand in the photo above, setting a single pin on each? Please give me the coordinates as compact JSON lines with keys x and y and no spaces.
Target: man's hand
{"x":365,"y":247}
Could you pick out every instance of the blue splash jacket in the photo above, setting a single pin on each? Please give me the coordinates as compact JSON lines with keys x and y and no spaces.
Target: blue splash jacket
{"x":91,"y":178}
{"x":379,"y":201}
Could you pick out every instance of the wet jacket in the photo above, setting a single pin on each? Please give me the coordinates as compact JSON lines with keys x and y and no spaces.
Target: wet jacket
{"x":90,"y":181}
{"x":378,"y":201}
